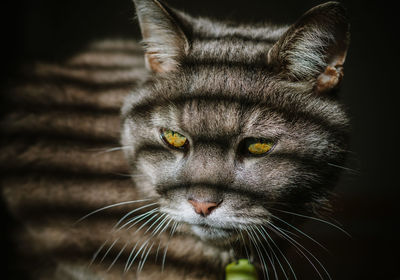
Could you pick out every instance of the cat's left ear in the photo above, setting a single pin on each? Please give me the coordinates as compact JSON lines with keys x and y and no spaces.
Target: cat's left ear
{"x":314,"y":48}
{"x":163,"y":37}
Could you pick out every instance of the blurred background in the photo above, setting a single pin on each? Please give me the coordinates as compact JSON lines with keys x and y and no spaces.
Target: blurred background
{"x":368,"y":193}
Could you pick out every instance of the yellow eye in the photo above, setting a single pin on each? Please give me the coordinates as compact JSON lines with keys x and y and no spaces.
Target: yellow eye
{"x":174,"y":139}
{"x":259,"y":146}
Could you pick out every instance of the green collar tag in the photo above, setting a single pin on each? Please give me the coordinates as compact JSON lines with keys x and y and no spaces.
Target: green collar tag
{"x":241,"y":270}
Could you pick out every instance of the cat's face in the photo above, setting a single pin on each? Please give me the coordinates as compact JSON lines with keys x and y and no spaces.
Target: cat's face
{"x":187,"y":146}
{"x":220,"y":145}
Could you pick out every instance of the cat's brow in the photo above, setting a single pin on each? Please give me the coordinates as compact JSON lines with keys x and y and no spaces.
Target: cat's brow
{"x":211,"y":118}
{"x":226,"y":116}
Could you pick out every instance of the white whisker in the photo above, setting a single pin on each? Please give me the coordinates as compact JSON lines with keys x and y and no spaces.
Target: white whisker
{"x":265,"y":250}
{"x":137,"y":253}
{"x":280,"y":251}
{"x":260,"y":256}
{"x":172,"y":231}
{"x":315,"y":219}
{"x":158,"y":227}
{"x":117,"y":257}
{"x":272,"y":251}
{"x":109,"y":249}
{"x":301,"y":232}
{"x":244,"y":243}
{"x":98,"y":252}
{"x":130,"y":256}
{"x":137,"y":219}
{"x":145,"y":258}
{"x":133,"y":211}
{"x":148,"y":221}
{"x":113,"y":150}
{"x":141,"y":259}
{"x":300,"y":248}
{"x":111,"y":206}
{"x":158,"y":248}
{"x":353,"y":171}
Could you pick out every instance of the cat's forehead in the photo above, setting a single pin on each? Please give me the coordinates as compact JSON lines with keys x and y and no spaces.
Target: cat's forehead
{"x":230,"y":82}
{"x":217,"y":119}
{"x":218,"y":84}
{"x":211,"y":118}
{"x":222,"y":100}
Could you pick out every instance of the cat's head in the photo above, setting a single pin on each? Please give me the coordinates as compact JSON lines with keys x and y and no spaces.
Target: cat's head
{"x":237,"y":120}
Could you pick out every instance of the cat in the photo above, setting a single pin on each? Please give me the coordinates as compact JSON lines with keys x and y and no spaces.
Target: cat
{"x":233,"y":130}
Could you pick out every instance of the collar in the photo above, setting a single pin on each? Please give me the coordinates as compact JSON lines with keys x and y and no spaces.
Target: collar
{"x":240,"y":270}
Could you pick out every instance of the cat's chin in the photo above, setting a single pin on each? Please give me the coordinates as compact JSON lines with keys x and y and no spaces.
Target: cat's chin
{"x":213,"y":234}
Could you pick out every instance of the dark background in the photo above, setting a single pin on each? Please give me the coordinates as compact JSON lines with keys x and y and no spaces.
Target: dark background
{"x":368,"y":198}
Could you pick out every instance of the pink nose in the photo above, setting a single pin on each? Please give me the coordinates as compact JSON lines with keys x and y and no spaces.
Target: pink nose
{"x":203,"y":208}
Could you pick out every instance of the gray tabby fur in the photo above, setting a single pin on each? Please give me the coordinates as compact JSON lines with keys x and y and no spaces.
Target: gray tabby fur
{"x":218,"y":83}
{"x":214,"y":82}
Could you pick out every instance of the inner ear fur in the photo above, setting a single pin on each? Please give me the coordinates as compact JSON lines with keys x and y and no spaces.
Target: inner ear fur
{"x":163,"y":38}
{"x":314,"y":48}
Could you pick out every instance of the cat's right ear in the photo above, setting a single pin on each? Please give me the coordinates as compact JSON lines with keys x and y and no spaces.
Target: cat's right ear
{"x":163,"y":37}
{"x":314,"y":48}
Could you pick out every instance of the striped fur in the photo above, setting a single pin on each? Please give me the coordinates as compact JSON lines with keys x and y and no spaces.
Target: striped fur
{"x":62,"y":156}
{"x":59,"y":163}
